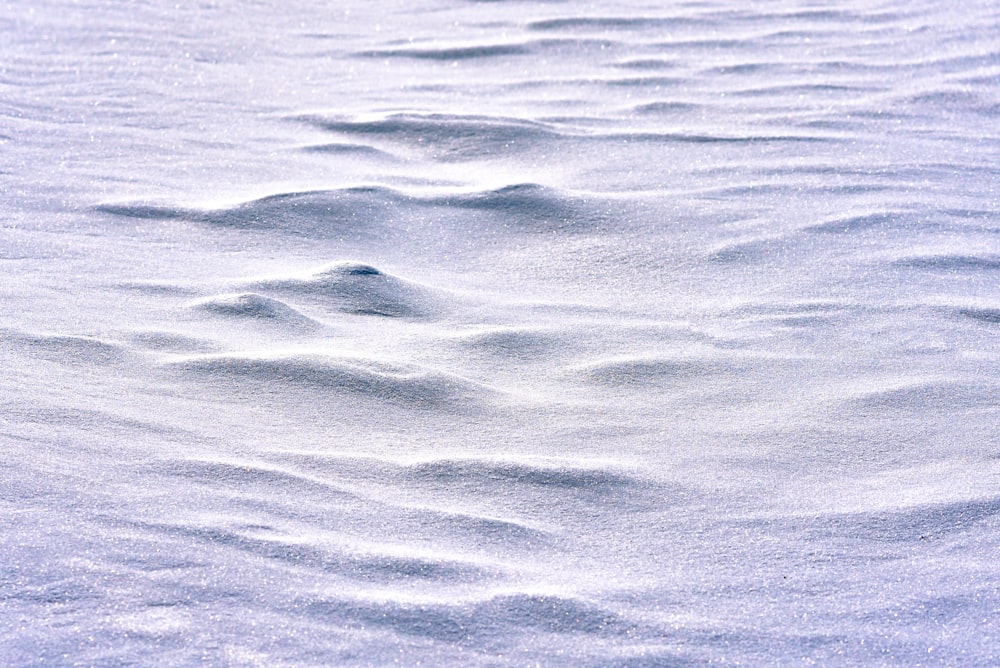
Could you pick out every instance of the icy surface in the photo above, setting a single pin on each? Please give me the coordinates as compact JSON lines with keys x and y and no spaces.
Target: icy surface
{"x":445,"y":332}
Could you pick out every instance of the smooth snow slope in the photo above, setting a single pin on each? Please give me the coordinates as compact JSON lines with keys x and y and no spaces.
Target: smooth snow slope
{"x":445,"y":332}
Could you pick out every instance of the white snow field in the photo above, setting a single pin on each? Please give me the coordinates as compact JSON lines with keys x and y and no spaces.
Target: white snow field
{"x":470,"y":333}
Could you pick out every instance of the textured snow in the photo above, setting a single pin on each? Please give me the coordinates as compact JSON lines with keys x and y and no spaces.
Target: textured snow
{"x":456,"y":332}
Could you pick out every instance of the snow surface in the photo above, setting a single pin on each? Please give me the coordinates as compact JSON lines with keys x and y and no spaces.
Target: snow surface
{"x":445,"y":332}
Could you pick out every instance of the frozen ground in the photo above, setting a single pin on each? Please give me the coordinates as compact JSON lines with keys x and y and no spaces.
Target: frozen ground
{"x":444,"y":332}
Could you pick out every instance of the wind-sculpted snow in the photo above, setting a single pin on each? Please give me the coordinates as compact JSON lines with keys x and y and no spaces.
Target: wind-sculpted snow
{"x":406,"y":386}
{"x":628,"y":371}
{"x":985,"y":315}
{"x":541,"y":482}
{"x":330,"y":214}
{"x":510,"y":342}
{"x":168,"y":342}
{"x":443,"y":136}
{"x":529,"y":207}
{"x":80,"y":350}
{"x":454,"y":52}
{"x":931,"y":396}
{"x":376,"y":214}
{"x":359,"y":288}
{"x":495,"y":622}
{"x":499,"y":333}
{"x":256,"y":308}
{"x":861,"y":224}
{"x":949,"y":262}
{"x":921,"y":523}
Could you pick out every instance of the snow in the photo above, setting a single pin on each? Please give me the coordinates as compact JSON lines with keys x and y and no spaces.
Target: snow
{"x":499,"y":333}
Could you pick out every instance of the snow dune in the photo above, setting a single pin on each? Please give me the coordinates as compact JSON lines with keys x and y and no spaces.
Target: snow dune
{"x":499,"y":333}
